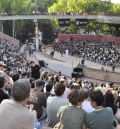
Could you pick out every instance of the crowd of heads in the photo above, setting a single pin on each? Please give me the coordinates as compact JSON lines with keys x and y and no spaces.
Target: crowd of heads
{"x":53,"y":90}
{"x":10,"y":57}
{"x":104,"y":53}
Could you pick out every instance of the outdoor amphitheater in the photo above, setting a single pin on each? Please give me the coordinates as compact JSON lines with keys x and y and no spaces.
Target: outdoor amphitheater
{"x":59,"y":64}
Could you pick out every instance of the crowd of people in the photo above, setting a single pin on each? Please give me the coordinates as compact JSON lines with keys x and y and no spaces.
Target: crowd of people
{"x":32,"y":97}
{"x":103,"y":53}
{"x":11,"y":58}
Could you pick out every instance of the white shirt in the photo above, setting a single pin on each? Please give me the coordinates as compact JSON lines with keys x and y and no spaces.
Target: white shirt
{"x":86,"y":105}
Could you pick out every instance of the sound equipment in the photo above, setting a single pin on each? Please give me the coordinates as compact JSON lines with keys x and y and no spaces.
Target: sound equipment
{"x":77,"y":72}
{"x":42,"y":63}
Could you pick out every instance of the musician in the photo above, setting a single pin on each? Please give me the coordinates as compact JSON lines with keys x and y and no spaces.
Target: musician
{"x":52,"y":53}
{"x":83,"y":61}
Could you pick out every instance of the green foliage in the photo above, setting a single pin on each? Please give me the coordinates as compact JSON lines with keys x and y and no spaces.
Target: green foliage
{"x":41,"y":5}
{"x":81,"y":6}
{"x":49,"y":32}
{"x":87,"y":7}
{"x":25,"y":31}
{"x":59,"y":6}
{"x":116,"y":9}
{"x":20,"y":6}
{"x":15,"y":6}
{"x":24,"y":27}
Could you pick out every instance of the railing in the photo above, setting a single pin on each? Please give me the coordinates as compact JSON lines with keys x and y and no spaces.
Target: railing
{"x":97,"y":18}
{"x":58,"y":13}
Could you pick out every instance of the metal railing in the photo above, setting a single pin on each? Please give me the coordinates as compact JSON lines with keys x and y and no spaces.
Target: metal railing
{"x":97,"y":18}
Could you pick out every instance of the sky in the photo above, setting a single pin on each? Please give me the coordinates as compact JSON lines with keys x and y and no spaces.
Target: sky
{"x":115,"y":1}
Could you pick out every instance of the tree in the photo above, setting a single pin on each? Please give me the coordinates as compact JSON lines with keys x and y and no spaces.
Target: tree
{"x":81,"y":6}
{"x":15,"y":6}
{"x":20,"y":6}
{"x":41,"y":5}
{"x":116,"y":9}
{"x":60,"y":6}
{"x":26,"y":31}
{"x":49,"y":32}
{"x":88,"y":7}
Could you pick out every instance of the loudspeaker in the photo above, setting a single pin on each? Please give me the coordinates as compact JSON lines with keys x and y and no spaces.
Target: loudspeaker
{"x":77,"y":72}
{"x":41,"y":63}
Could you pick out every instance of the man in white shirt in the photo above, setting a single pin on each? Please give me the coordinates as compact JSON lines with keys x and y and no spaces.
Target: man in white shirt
{"x":13,"y":113}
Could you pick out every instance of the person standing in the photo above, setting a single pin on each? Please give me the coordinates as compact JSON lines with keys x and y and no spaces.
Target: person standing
{"x":113,"y":67}
{"x":35,"y":70}
{"x":83,"y":61}
{"x":52,"y":53}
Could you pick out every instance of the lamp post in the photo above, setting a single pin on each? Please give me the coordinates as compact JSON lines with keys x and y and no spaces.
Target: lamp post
{"x":36,"y":34}
{"x":13,"y":22}
{"x":2,"y":29}
{"x":40,"y":37}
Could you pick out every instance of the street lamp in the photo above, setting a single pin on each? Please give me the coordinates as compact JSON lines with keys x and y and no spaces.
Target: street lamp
{"x":40,"y":37}
{"x":36,"y":34}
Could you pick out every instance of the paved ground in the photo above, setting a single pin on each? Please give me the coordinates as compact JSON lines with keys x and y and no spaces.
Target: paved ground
{"x":64,"y":64}
{"x":76,"y":60}
{"x":57,"y":65}
{"x":31,"y":58}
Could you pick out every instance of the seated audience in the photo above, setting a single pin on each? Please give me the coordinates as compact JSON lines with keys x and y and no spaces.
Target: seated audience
{"x":102,"y":117}
{"x":15,"y":77}
{"x":38,"y":97}
{"x":54,"y":103}
{"x":98,"y":52}
{"x":3,"y":92}
{"x":86,"y":105}
{"x":109,"y":101}
{"x":15,"y":112}
{"x":72,"y":116}
{"x":48,"y":87}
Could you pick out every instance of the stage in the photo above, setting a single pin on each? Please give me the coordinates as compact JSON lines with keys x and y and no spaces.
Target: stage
{"x":66,"y":64}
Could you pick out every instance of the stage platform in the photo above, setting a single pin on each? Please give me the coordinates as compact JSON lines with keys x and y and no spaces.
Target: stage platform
{"x":66,"y":65}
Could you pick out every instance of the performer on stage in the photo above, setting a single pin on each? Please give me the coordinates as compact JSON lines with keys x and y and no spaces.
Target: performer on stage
{"x":113,"y":67}
{"x":52,"y":53}
{"x":83,"y":61}
{"x":66,"y":53}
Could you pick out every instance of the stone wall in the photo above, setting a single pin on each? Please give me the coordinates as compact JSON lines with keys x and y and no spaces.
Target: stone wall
{"x":81,"y":37}
{"x":102,"y":75}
